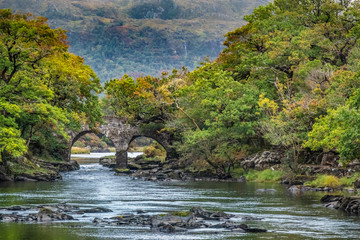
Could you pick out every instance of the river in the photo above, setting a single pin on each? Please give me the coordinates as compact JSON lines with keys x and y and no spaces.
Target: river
{"x":285,"y":216}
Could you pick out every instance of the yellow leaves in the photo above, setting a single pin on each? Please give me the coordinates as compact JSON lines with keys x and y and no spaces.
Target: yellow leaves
{"x":268,"y":106}
{"x":317,"y":90}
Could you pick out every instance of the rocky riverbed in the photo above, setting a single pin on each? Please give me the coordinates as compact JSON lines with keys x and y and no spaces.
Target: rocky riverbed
{"x":155,"y":170}
{"x":196,"y":218}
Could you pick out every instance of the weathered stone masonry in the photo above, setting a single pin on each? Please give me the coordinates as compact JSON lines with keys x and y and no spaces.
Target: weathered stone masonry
{"x":121,"y":134}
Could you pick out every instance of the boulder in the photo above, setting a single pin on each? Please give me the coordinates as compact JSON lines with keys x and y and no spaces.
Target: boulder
{"x":108,"y":162}
{"x":261,"y":161}
{"x":96,"y":210}
{"x":262,"y":190}
{"x":350,"y":205}
{"x":47,"y":215}
{"x":207,"y":215}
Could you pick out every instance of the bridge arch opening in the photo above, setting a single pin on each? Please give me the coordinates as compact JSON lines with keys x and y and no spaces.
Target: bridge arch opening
{"x":151,"y":148}
{"x":88,"y":142}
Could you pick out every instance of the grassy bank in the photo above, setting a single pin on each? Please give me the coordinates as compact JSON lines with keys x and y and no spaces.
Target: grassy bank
{"x":333,"y":181}
{"x":79,"y":150}
{"x":267,"y":175}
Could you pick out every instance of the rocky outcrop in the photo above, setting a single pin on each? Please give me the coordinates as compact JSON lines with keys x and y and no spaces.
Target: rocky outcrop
{"x":60,"y":166}
{"x":38,"y":170}
{"x":350,"y":205}
{"x":261,"y":161}
{"x":155,"y":170}
{"x":296,"y":189}
{"x":196,"y":218}
{"x":45,"y":214}
{"x":172,"y":223}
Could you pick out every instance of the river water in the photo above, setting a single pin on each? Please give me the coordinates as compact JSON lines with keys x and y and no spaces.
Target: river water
{"x":285,"y":216}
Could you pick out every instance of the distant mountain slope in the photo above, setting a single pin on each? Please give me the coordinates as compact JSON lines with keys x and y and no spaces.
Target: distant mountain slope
{"x":141,"y":36}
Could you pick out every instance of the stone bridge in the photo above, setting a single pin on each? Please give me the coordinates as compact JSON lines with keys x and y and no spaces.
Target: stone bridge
{"x":121,"y":134}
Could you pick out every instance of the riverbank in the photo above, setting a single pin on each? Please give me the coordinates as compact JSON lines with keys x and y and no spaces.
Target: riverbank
{"x":36,"y":169}
{"x":265,"y":169}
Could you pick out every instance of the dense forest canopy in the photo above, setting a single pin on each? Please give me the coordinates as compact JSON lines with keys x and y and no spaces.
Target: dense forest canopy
{"x":141,"y":37}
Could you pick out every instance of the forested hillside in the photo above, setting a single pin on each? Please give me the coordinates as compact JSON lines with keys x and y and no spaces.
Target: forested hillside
{"x":141,"y":37}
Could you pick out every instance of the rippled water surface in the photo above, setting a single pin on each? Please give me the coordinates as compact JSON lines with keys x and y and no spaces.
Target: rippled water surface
{"x":285,"y":216}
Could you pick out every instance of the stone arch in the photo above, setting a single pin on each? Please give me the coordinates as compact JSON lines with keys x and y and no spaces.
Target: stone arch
{"x":121,"y":134}
{"x":77,"y":136}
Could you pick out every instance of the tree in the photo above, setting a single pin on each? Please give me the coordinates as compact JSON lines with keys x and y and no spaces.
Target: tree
{"x":140,"y":101}
{"x":44,"y":90}
{"x":218,"y":117}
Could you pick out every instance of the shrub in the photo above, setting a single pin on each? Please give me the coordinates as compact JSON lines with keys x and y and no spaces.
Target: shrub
{"x":349,"y":181}
{"x":155,"y":150}
{"x":267,"y":175}
{"x":237,"y":172}
{"x":324,"y":181}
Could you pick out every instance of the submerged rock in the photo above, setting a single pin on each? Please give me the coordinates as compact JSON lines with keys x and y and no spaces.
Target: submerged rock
{"x":96,"y":210}
{"x":262,"y":190}
{"x":207,"y":215}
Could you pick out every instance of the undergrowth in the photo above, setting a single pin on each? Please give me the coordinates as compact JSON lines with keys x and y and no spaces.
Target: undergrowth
{"x":333,"y":181}
{"x":267,"y":175}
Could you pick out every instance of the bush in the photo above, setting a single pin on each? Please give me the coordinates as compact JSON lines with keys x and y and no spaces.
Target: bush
{"x":324,"y":181}
{"x":155,"y":150}
{"x":237,"y":172}
{"x":349,"y":181}
{"x":267,"y":175}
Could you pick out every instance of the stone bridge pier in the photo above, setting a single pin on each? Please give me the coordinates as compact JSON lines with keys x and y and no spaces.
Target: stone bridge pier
{"x":121,"y":134}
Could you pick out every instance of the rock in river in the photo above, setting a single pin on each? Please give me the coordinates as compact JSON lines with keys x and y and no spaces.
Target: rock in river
{"x":348,"y":204}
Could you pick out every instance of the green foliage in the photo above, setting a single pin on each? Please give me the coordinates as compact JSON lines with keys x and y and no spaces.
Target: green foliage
{"x":325,"y":181}
{"x":267,"y":175}
{"x":44,"y":90}
{"x":297,"y":53}
{"x":136,"y":101}
{"x":338,"y":130}
{"x":237,"y":172}
{"x":220,"y":118}
{"x":349,"y":181}
{"x":283,"y":71}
